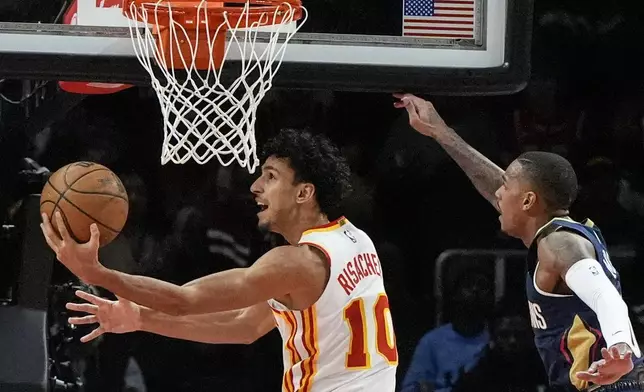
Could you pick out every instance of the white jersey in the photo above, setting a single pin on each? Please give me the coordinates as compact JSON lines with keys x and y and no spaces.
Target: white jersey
{"x":345,"y":342}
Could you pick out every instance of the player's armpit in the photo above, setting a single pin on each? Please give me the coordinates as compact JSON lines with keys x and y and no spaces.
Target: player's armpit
{"x":558,"y":251}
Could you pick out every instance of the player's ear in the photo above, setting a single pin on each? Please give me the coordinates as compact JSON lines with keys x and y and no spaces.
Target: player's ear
{"x":305,"y":192}
{"x":529,"y":200}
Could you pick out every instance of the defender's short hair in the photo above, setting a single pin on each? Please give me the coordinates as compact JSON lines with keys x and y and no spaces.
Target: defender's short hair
{"x":316,"y":160}
{"x":553,"y":176}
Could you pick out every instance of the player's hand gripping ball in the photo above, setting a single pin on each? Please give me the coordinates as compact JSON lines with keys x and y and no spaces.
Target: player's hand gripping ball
{"x":86,"y":193}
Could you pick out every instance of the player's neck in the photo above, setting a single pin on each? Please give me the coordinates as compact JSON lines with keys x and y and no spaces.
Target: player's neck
{"x":303,"y":222}
{"x":532,"y":227}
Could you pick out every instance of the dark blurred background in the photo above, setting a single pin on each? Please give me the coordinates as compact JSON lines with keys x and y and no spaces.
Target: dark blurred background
{"x":455,"y":282}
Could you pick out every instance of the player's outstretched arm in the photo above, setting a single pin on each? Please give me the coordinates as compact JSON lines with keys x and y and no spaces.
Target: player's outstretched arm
{"x":484,"y":174}
{"x":279,"y":272}
{"x":122,"y":316}
{"x":242,"y":326}
{"x":573,"y":259}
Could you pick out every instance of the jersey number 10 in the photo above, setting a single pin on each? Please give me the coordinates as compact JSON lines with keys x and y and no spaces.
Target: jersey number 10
{"x":358,"y":356}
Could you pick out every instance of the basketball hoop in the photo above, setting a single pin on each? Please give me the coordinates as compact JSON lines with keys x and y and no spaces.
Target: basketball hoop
{"x":205,"y":117}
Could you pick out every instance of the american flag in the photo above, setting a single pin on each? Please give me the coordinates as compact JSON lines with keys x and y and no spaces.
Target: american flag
{"x":439,"y":18}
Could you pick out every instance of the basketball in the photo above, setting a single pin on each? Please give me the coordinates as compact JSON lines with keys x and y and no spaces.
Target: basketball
{"x":86,"y":193}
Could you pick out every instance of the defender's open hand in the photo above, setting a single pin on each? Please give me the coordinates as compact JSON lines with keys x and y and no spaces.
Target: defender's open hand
{"x":608,"y":370}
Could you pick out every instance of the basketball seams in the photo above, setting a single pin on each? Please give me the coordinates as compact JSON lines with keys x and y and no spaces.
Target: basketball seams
{"x":62,"y":213}
{"x":65,"y":176}
{"x":69,"y":186}
{"x":108,"y":228}
{"x":88,"y":215}
{"x":81,"y":176}
{"x":98,"y":193}
{"x":66,"y":223}
{"x":61,"y":196}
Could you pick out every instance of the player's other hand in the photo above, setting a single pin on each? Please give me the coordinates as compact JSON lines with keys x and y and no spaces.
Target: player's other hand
{"x":611,"y":368}
{"x":80,"y":259}
{"x":423,"y":117}
{"x":120,"y":316}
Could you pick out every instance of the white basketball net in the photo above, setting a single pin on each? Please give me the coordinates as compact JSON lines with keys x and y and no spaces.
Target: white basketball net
{"x":203,"y":116}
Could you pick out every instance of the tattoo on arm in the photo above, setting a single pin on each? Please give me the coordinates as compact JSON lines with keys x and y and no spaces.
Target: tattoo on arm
{"x":561,"y":249}
{"x":484,"y":174}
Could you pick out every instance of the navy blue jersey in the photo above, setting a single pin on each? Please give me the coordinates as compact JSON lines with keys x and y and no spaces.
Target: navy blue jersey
{"x":567,"y":333}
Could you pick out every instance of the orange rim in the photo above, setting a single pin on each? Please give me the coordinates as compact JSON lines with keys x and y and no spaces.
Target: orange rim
{"x":188,"y":13}
{"x":185,"y":12}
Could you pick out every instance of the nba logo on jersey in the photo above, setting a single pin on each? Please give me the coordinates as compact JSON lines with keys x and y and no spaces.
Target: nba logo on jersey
{"x":351,"y":236}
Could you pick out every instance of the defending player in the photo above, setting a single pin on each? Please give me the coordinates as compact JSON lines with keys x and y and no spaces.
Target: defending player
{"x":324,"y":292}
{"x":581,"y":323}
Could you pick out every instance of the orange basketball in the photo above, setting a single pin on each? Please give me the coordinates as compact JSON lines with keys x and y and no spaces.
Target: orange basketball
{"x":86,"y":193}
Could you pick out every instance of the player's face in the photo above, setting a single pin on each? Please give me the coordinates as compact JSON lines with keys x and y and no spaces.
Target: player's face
{"x":512,"y":198}
{"x":275,"y":192}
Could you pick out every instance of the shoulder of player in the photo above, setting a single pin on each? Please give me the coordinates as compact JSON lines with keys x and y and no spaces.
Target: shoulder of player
{"x":561,"y":249}
{"x":296,"y":257}
{"x":282,"y":271}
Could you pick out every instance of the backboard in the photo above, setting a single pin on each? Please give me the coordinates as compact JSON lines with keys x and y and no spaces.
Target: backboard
{"x":459,"y":47}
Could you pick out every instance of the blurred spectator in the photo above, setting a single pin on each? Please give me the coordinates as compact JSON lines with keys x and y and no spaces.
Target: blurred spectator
{"x":444,"y":354}
{"x":297,"y":109}
{"x":547,"y":120}
{"x":359,"y":207}
{"x":233,"y":239}
{"x":137,"y":246}
{"x":509,"y":363}
{"x":405,"y":307}
{"x":630,"y":199}
{"x":627,"y":127}
{"x":600,"y":184}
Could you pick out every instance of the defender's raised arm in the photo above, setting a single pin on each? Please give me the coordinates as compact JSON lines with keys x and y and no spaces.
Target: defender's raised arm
{"x":484,"y":174}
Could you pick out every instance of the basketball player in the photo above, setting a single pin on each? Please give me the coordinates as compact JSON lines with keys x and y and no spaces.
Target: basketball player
{"x":324,"y":292}
{"x":581,"y":323}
